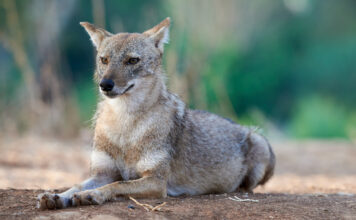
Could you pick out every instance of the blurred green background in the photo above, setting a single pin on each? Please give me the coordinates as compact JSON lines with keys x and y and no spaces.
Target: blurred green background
{"x":288,"y":66}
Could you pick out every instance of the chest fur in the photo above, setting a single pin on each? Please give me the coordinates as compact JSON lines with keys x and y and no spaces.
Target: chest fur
{"x":131,"y":163}
{"x":134,"y":144}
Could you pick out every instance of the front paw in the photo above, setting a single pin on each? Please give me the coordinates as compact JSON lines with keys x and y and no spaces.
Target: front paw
{"x":89,"y":197}
{"x":49,"y":201}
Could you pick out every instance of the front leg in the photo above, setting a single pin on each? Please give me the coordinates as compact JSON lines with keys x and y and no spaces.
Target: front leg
{"x":57,"y":201}
{"x":148,"y":186}
{"x":103,"y":172}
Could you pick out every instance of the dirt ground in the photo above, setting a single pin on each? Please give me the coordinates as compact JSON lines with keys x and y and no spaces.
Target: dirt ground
{"x":313,"y":180}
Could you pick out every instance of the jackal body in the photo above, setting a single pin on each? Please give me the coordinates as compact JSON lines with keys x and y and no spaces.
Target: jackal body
{"x":147,"y":143}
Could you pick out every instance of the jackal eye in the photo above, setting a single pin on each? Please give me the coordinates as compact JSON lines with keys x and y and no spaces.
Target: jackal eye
{"x":133,"y":60}
{"x":104,"y":60}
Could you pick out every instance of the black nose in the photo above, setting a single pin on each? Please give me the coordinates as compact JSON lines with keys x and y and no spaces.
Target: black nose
{"x":106,"y":85}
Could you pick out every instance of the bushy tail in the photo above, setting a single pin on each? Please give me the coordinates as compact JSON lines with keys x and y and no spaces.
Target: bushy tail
{"x":257,"y":150}
{"x":270,"y":168}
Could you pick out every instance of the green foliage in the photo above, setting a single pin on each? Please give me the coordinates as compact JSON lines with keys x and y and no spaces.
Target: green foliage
{"x":318,"y":117}
{"x":86,"y":96}
{"x":257,"y":63}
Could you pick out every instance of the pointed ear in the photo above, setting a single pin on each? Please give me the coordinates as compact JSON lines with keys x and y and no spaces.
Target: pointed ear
{"x":159,"y":34}
{"x":97,"y":35}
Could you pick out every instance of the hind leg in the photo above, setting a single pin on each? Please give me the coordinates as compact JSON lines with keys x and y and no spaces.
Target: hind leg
{"x":253,"y":177}
{"x":260,"y":162}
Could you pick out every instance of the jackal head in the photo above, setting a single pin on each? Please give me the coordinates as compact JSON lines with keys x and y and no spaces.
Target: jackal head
{"x":127,"y":61}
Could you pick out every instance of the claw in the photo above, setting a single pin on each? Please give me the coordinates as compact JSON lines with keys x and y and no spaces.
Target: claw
{"x":50,"y":204}
{"x":89,"y":198}
{"x":50,"y":201}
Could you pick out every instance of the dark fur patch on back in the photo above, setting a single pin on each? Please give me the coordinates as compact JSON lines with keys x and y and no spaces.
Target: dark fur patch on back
{"x":221,"y":117}
{"x":176,"y":131}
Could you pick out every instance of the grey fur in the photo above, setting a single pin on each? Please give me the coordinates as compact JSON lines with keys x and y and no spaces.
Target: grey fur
{"x":148,"y":144}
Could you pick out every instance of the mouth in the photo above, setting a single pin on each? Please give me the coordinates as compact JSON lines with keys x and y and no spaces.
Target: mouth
{"x":128,"y":88}
{"x":116,"y":92}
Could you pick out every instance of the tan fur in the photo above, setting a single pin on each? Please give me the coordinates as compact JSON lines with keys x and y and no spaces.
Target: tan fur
{"x":148,"y":144}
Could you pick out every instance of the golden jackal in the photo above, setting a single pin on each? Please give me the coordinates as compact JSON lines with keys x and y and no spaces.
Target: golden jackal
{"x":147,"y":143}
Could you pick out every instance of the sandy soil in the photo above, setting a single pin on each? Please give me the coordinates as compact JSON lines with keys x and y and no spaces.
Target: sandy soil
{"x":313,"y":180}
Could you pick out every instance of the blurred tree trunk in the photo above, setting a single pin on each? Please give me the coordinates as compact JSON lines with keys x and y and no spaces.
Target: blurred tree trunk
{"x":15,"y":43}
{"x":47,"y":107}
{"x":53,"y":85}
{"x":99,"y":12}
